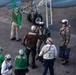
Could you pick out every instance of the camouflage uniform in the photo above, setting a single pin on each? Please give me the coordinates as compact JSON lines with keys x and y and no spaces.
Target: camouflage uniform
{"x":65,"y":35}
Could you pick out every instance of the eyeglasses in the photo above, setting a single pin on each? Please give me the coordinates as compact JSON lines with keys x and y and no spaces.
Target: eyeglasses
{"x":9,"y":59}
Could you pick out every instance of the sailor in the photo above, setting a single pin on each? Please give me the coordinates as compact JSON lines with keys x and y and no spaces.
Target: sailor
{"x":31,"y":41}
{"x":43,"y":33}
{"x":49,"y":53}
{"x":65,"y":38}
{"x":65,"y":32}
{"x":21,"y":63}
{"x":16,"y":24}
{"x":6,"y":68}
{"x":1,"y":58}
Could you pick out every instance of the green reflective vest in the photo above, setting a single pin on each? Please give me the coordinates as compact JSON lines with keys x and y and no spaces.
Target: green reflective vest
{"x":17,"y":18}
{"x":1,"y":59}
{"x":20,"y":63}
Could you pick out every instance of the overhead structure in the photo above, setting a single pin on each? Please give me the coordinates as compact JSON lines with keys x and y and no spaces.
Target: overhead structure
{"x":55,"y":4}
{"x":45,"y":2}
{"x":48,"y":3}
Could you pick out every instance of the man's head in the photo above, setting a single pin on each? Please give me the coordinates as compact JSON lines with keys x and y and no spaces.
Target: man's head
{"x":16,"y":9}
{"x":65,"y":22}
{"x":33,"y":28}
{"x":21,"y":52}
{"x":41,"y":24}
{"x":49,"y":41}
{"x":7,"y":57}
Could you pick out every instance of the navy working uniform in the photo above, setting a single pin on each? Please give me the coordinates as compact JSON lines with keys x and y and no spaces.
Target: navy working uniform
{"x":31,"y":40}
{"x":49,"y":52}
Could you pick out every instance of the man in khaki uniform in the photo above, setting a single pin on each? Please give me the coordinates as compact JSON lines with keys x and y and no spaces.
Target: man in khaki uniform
{"x":65,"y":36}
{"x":16,"y":24}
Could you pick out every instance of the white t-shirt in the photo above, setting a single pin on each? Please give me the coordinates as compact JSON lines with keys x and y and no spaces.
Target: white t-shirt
{"x":48,"y":51}
{"x":4,"y":69}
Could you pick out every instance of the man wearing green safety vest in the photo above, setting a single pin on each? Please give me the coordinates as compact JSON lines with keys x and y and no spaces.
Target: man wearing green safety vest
{"x":16,"y":23}
{"x":21,"y":63}
{"x":1,"y":58}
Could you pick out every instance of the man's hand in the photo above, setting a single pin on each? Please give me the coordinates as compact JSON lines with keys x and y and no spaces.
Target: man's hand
{"x":54,"y":59}
{"x":23,"y":44}
{"x":37,"y":57}
{"x":10,"y":67}
{"x":26,"y":70}
{"x":20,"y":27}
{"x":40,"y":58}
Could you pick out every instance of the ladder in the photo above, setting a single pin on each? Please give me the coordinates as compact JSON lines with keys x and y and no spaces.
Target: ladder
{"x":46,"y":2}
{"x":47,"y":13}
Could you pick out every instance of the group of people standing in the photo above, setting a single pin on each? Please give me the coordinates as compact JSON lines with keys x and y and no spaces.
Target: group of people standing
{"x":20,"y":61}
{"x":33,"y":41}
{"x":41,"y":34}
